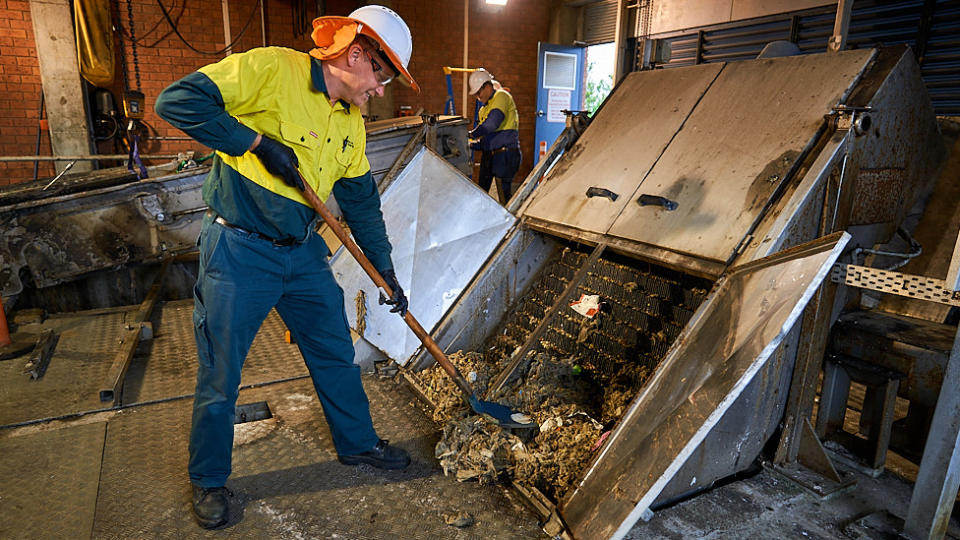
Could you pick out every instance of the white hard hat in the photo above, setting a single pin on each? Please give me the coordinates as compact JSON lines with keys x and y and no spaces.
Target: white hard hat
{"x":388,"y":29}
{"x":477,"y":79}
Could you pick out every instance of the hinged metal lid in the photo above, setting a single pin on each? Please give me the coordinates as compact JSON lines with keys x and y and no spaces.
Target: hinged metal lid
{"x":694,"y":155}
{"x":731,"y":337}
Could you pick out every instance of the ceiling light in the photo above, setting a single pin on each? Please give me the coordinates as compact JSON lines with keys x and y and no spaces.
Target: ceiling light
{"x":496,"y":2}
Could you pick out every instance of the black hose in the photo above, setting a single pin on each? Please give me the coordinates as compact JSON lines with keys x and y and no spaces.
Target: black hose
{"x":211,"y":53}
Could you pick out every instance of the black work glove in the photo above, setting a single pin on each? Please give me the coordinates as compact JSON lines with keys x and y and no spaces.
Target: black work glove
{"x":398,"y":300}
{"x":279,"y":159}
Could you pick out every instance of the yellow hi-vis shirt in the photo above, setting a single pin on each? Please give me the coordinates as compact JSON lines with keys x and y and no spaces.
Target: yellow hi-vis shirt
{"x":272,"y":92}
{"x":501,"y":99}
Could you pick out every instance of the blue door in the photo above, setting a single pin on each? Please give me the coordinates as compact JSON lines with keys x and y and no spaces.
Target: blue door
{"x":559,"y":86}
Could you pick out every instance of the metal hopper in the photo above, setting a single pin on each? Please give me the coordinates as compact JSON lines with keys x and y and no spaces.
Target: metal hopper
{"x":745,"y":179}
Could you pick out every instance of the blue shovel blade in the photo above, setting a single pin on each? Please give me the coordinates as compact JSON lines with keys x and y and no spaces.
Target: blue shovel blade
{"x":501,"y":414}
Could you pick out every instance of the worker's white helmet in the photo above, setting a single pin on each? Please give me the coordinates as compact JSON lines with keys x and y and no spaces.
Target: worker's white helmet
{"x":388,"y":29}
{"x":333,"y":36}
{"x":477,"y":79}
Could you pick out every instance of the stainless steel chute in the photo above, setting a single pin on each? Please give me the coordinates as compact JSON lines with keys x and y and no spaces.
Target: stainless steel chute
{"x":442,"y":228}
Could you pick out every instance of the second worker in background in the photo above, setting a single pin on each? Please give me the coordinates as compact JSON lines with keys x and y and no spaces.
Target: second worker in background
{"x":497,"y":136}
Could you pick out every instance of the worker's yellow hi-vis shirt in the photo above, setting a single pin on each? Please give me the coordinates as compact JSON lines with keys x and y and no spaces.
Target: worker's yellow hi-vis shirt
{"x":272,"y":93}
{"x":282,"y":94}
{"x":502,"y":101}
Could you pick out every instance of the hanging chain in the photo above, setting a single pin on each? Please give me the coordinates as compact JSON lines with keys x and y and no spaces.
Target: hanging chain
{"x":133,"y":44}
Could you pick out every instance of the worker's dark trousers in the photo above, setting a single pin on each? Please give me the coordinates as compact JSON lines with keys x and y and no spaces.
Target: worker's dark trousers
{"x":503,"y":165}
{"x":241,"y":278}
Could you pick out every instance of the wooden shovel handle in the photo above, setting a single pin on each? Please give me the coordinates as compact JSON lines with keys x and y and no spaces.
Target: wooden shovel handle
{"x":378,"y":280}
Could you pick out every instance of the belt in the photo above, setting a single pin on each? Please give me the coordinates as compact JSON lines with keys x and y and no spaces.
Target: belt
{"x":284,"y":242}
{"x":501,"y":149}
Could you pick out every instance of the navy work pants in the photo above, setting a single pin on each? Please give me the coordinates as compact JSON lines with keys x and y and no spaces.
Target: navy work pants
{"x":502,"y":164}
{"x":241,"y":278}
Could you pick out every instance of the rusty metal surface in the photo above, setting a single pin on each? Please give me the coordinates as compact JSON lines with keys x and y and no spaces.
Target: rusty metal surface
{"x":738,"y":145}
{"x":915,"y":347}
{"x":732,"y":336}
{"x":59,"y":240}
{"x":47,"y":240}
{"x":876,"y":188}
{"x":50,"y":482}
{"x":903,"y":137}
{"x":618,"y":149}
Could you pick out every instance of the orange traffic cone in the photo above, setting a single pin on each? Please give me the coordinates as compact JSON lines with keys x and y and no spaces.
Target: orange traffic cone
{"x":4,"y":331}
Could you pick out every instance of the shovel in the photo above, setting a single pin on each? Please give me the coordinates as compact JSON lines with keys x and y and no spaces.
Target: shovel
{"x":500,"y":414}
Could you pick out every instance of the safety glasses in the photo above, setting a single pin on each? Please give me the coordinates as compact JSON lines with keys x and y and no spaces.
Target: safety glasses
{"x":383,"y":77}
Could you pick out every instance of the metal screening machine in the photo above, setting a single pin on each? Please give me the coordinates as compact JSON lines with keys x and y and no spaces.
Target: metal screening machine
{"x":705,"y":205}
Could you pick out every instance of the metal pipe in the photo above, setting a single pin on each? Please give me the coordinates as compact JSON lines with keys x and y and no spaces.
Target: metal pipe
{"x":841,"y":26}
{"x":36,"y":165}
{"x":466,"y":56}
{"x":61,"y":173}
{"x":4,"y":159}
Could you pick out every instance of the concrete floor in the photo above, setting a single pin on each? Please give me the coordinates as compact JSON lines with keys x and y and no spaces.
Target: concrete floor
{"x":74,"y":470}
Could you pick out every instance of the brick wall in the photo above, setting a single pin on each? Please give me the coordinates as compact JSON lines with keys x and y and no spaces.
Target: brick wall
{"x":505,"y":43}
{"x":19,"y":93}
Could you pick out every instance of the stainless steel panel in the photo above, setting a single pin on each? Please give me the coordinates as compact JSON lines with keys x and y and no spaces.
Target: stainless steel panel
{"x":737,"y":146}
{"x":517,"y":262}
{"x":442,"y":228}
{"x":730,"y":339}
{"x":796,"y":217}
{"x":620,"y":146}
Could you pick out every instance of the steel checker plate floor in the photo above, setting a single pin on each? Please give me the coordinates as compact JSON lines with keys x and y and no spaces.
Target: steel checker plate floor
{"x":163,"y":367}
{"x":50,"y":482}
{"x":166,"y":366}
{"x":80,"y":363}
{"x":286,"y":480}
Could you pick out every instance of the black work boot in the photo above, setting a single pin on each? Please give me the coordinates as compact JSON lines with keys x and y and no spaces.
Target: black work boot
{"x":210,"y":506}
{"x":382,"y":456}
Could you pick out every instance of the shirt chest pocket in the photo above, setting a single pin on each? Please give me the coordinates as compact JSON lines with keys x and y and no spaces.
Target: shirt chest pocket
{"x":303,"y":141}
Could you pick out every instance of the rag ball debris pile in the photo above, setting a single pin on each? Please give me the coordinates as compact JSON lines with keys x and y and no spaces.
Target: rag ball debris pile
{"x":562,"y":401}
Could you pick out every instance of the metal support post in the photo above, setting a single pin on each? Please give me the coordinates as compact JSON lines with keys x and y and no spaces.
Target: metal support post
{"x":939,"y":478}
{"x":841,"y":25}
